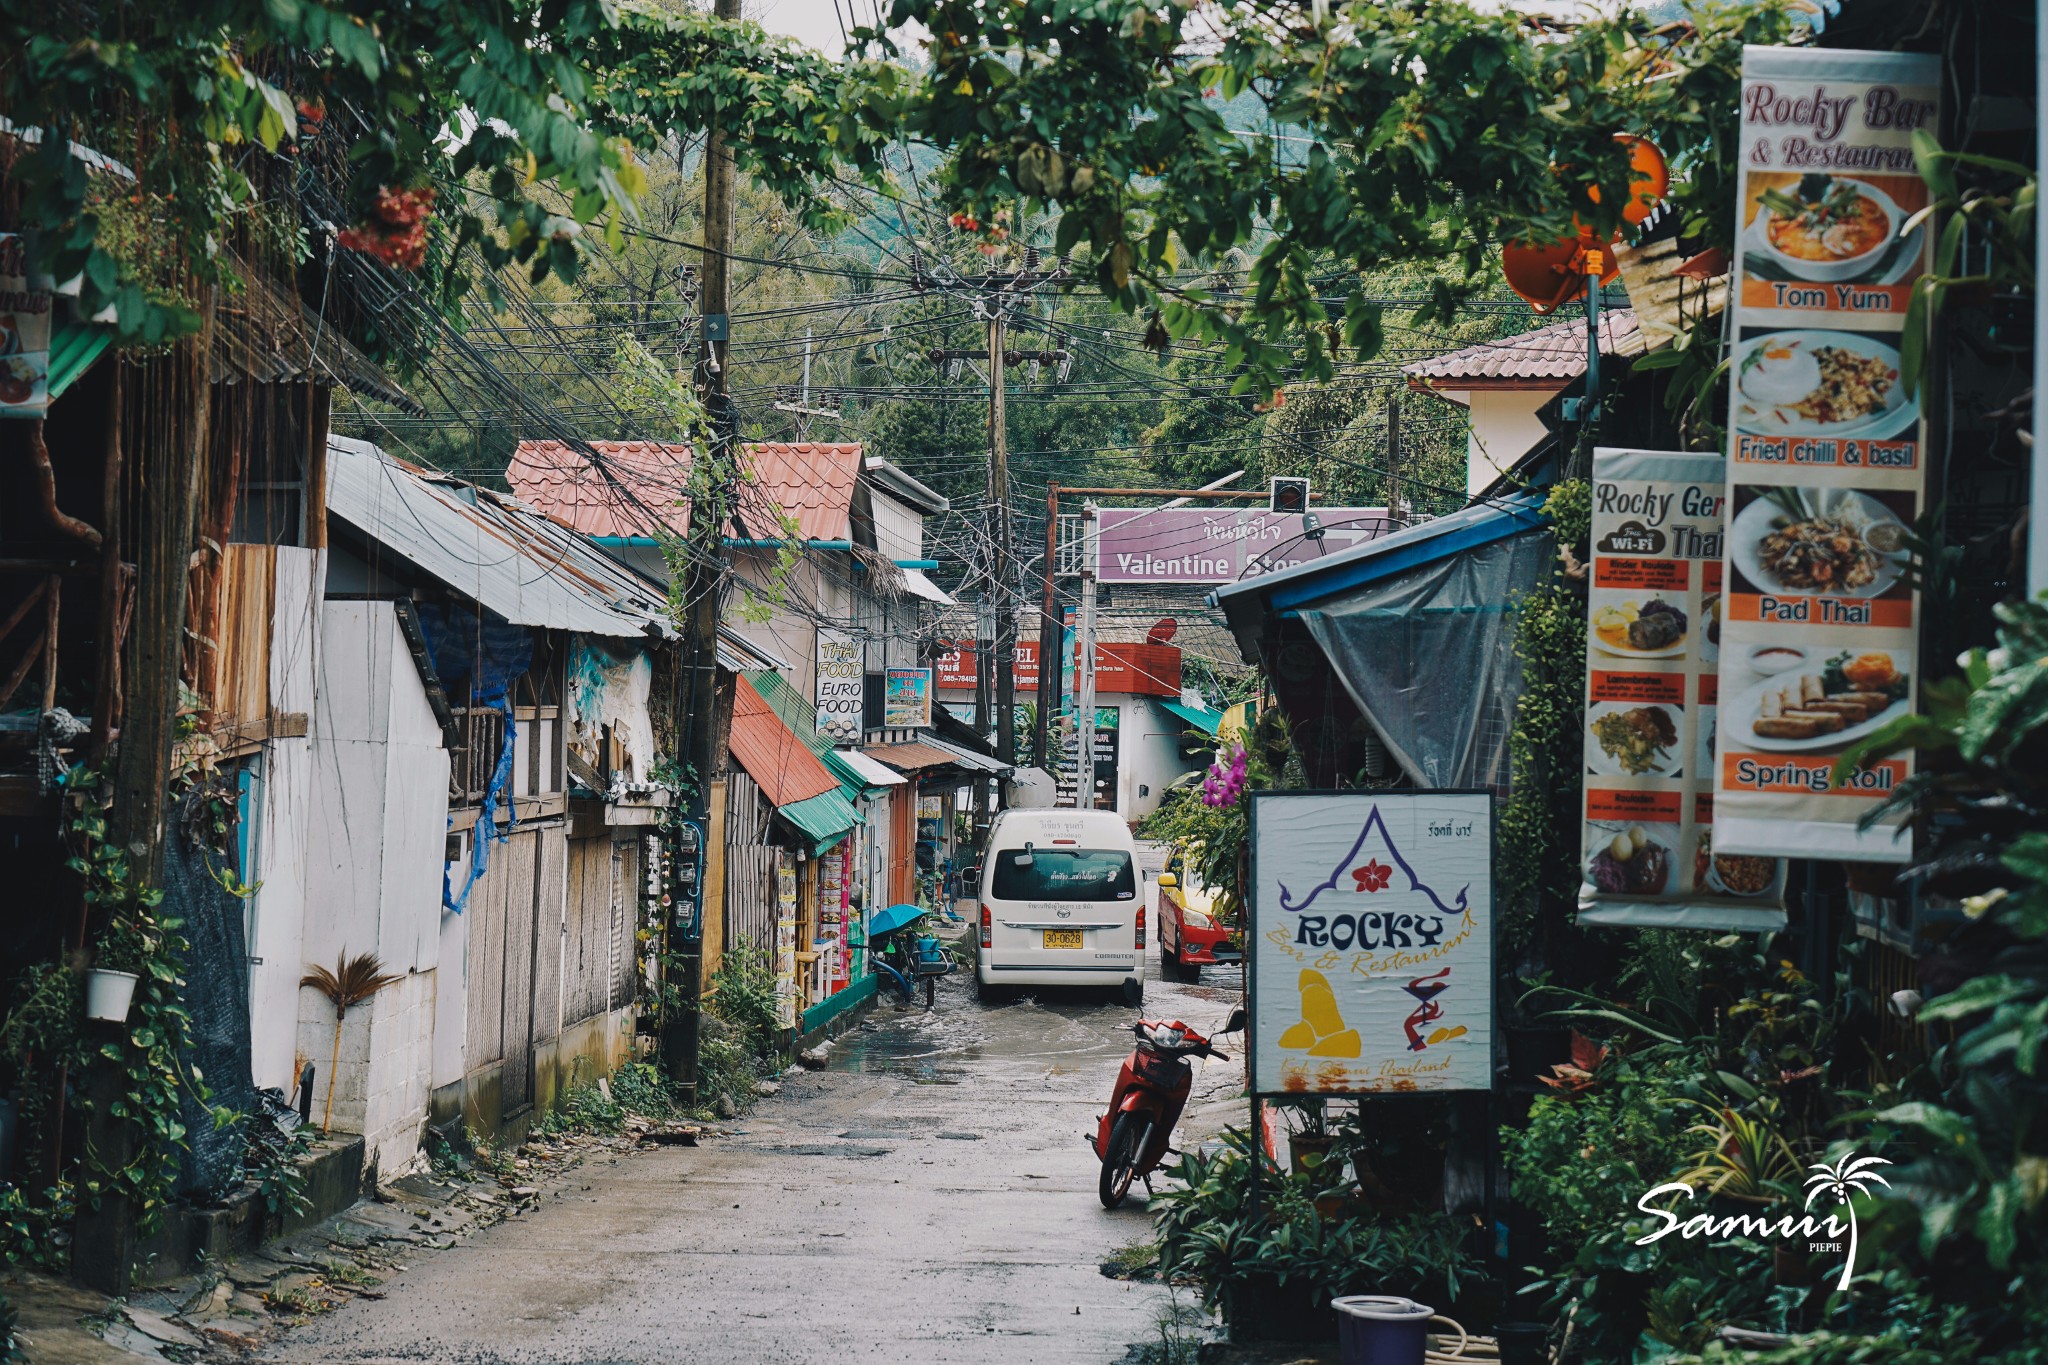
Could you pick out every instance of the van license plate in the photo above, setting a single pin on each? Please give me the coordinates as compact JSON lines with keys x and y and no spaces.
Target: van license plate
{"x":1063,"y":938}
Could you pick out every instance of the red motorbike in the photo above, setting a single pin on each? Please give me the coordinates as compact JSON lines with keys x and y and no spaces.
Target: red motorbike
{"x":1151,"y":1090}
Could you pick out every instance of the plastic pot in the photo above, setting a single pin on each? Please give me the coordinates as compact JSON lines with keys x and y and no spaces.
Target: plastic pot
{"x":1381,"y":1329}
{"x":108,"y":994}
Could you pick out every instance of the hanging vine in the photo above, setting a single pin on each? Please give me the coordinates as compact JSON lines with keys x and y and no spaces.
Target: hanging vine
{"x":1539,"y":820}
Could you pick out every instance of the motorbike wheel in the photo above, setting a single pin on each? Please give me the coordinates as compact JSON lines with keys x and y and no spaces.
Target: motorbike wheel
{"x":1119,"y":1166}
{"x":1180,"y":969}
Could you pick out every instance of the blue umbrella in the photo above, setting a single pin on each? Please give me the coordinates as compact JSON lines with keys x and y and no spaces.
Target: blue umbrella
{"x":888,"y":921}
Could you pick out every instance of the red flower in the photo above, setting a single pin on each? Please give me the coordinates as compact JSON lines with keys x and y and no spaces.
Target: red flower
{"x":1374,"y":876}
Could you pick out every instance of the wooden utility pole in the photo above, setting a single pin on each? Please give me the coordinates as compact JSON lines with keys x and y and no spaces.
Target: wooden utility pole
{"x":703,"y":574}
{"x":1394,"y":458}
{"x":999,"y":549}
{"x":1050,"y":663}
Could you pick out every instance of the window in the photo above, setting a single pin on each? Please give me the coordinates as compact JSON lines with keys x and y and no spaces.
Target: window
{"x":1065,"y":874}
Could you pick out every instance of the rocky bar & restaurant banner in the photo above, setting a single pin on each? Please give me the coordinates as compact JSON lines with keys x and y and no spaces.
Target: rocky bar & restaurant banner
{"x":1826,"y":468}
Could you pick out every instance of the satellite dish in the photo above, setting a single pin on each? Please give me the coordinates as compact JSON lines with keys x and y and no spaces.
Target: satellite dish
{"x":1162,"y":632}
{"x":1552,"y":275}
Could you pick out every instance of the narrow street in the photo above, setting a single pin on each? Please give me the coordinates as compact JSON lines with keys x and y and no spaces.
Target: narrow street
{"x":926,"y":1196}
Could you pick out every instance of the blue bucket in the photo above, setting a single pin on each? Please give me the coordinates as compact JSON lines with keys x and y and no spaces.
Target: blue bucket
{"x":1381,"y":1329}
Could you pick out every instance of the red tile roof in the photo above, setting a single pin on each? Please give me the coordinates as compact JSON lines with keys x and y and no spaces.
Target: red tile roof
{"x":1547,"y":358}
{"x":770,"y":751}
{"x":641,"y":484}
{"x":810,"y":481}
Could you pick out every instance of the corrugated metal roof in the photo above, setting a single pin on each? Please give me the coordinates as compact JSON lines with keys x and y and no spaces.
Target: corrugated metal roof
{"x":823,"y":819}
{"x":965,"y":757}
{"x":641,"y":484}
{"x":490,"y":548}
{"x":74,"y":346}
{"x":264,"y":334}
{"x":873,"y":773}
{"x":1546,"y":358}
{"x":773,"y":756}
{"x":801,"y":716}
{"x":908,"y":757}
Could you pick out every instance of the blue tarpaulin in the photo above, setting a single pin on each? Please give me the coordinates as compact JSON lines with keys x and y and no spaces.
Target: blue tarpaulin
{"x":478,"y":656}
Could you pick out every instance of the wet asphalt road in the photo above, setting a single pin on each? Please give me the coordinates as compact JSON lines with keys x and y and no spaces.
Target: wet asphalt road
{"x":926,"y":1197}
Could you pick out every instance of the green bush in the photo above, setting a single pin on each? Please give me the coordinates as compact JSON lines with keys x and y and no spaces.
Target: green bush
{"x":1209,"y":1232}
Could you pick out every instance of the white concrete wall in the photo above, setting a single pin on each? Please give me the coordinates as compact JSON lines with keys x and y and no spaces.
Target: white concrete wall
{"x":1504,"y":429}
{"x":1148,"y":755}
{"x":377,"y":834}
{"x":281,"y":819}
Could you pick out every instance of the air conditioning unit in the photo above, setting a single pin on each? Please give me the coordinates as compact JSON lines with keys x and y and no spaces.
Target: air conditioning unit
{"x":1289,"y":496}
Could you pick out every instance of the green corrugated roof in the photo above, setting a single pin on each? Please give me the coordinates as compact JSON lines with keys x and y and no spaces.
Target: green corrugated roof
{"x":73,"y":348}
{"x":802,"y":717}
{"x":1196,"y":716}
{"x":825,"y":819}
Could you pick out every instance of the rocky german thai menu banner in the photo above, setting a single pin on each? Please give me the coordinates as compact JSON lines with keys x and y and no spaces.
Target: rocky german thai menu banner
{"x":1826,"y":472}
{"x":1371,"y":942}
{"x":1653,"y":644}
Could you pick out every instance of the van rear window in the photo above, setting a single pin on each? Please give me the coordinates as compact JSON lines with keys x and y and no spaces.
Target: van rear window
{"x":1065,"y":874}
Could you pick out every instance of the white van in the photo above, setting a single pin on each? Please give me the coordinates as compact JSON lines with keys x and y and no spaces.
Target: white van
{"x":1060,"y":904}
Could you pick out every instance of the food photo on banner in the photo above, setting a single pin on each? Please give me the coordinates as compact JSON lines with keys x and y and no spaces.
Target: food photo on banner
{"x":1826,"y":479}
{"x":1653,"y":706}
{"x":1371,"y":942}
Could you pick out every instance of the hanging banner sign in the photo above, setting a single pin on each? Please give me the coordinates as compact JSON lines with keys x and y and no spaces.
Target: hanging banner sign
{"x":1371,"y":942}
{"x":907,"y":699}
{"x":1825,"y":473}
{"x":1222,"y":544}
{"x":842,"y":670}
{"x":24,"y":334}
{"x":787,"y":989}
{"x":1653,"y":641}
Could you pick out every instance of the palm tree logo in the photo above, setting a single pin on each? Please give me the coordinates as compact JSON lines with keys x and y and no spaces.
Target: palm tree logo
{"x":1847,"y":1176}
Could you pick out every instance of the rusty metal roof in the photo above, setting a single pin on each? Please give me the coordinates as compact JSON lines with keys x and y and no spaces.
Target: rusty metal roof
{"x":492,"y":549}
{"x":1547,"y":358}
{"x":635,"y":486}
{"x":909,"y":757}
{"x":771,"y":752}
{"x":264,"y":334}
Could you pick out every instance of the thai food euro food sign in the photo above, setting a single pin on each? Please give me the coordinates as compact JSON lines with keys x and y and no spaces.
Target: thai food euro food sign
{"x":1826,"y":462}
{"x":1370,"y":942}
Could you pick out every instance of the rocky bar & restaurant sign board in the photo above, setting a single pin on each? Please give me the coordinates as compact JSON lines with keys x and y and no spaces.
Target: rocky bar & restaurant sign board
{"x":1370,"y":942}
{"x":1826,"y":464}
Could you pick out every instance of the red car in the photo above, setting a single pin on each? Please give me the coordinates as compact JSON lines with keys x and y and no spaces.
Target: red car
{"x":1189,"y":936}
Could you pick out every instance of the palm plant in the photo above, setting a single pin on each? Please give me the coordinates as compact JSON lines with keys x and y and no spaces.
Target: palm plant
{"x":1845,"y":1177}
{"x":1747,"y":1157}
{"x":353,"y":980}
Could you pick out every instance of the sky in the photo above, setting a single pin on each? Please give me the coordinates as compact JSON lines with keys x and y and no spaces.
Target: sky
{"x":813,"y":22}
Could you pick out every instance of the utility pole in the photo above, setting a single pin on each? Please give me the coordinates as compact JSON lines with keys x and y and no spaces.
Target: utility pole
{"x":702,"y":577}
{"x":999,"y":549}
{"x":1050,"y":663}
{"x":1394,"y":459}
{"x":1084,"y":676}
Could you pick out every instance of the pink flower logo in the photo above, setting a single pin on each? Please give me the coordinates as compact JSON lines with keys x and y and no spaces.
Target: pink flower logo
{"x":1374,"y":876}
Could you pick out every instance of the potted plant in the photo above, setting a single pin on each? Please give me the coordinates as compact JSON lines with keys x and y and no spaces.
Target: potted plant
{"x":119,"y":960}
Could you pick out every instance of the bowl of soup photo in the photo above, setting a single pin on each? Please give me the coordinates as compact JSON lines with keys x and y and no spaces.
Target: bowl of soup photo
{"x":1827,"y":228}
